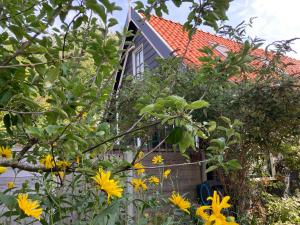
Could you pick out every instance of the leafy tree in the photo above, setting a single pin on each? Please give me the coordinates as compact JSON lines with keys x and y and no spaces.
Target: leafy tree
{"x":263,"y":110}
{"x":58,"y":61}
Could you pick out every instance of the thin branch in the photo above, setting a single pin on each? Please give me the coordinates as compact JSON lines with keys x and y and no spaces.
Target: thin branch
{"x":22,"y":11}
{"x":127,"y":167}
{"x":120,"y":135}
{"x":177,"y":164}
{"x":66,"y":34}
{"x":154,"y":149}
{"x":163,"y":166}
{"x":36,"y":64}
{"x":23,"y":113}
{"x":26,"y":166}
{"x":31,"y":143}
{"x":25,"y":45}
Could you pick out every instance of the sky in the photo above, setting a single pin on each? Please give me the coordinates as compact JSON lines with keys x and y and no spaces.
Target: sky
{"x":276,"y":19}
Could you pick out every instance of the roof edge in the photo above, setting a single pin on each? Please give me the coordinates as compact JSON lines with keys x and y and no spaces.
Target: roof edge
{"x":161,"y":46}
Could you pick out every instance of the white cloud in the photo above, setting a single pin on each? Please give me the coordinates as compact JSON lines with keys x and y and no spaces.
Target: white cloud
{"x":276,"y":19}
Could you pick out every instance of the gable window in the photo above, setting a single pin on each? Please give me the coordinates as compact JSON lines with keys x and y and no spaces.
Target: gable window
{"x":138,"y":62}
{"x":223,"y":50}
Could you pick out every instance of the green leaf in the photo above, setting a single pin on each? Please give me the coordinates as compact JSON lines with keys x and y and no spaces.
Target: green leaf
{"x":52,"y":129}
{"x":186,"y":141}
{"x":226,"y":120}
{"x":233,"y":164}
{"x":6,"y":121}
{"x":211,"y":168}
{"x":107,"y":215}
{"x":201,"y":134}
{"x":175,"y":136}
{"x":51,"y":75}
{"x":77,"y":23}
{"x":177,"y":3}
{"x":212,"y":126}
{"x":8,"y":200}
{"x":138,"y":5}
{"x":97,"y":8}
{"x":219,"y":142}
{"x":17,"y":31}
{"x":112,"y":22}
{"x":147,"y":109}
{"x":197,"y":104}
{"x":34,"y":131}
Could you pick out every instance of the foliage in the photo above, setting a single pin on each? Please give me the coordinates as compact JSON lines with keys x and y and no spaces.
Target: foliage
{"x":255,"y":90}
{"x":58,"y":61}
{"x":283,"y":210}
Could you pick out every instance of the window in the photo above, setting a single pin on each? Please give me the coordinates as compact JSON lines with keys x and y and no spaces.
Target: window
{"x":223,"y":50}
{"x":138,"y":62}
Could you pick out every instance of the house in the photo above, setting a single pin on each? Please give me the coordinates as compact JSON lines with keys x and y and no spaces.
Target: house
{"x":161,"y":38}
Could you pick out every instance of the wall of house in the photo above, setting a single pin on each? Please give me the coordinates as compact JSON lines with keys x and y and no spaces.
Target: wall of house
{"x":150,"y":55}
{"x":183,"y":179}
{"x":16,"y":176}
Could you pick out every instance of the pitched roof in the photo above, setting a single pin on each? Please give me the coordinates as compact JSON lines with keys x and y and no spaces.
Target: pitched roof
{"x":177,"y":39}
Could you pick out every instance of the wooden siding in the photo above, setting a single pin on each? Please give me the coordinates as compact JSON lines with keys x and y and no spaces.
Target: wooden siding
{"x":183,"y":179}
{"x":19,"y":177}
{"x":149,"y":52}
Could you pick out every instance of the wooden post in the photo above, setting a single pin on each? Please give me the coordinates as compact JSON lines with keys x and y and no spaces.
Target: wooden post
{"x":129,"y":189}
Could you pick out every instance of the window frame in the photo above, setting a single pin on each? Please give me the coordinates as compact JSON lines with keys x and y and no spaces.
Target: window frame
{"x":139,"y":50}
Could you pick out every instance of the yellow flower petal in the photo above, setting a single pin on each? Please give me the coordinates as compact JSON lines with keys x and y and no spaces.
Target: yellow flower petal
{"x":166,"y":173}
{"x":200,"y":212}
{"x":110,"y":186}
{"x":157,"y":160}
{"x":154,"y":180}
{"x":2,"y":169}
{"x":47,"y":161}
{"x":180,"y":202}
{"x":139,"y":168}
{"x":10,"y":185}
{"x":29,"y":207}
{"x":5,"y":152}
{"x":216,"y":217}
{"x":139,"y":184}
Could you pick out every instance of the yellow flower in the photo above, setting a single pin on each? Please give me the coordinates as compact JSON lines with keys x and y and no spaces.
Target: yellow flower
{"x":216,"y":217}
{"x":2,"y":169}
{"x":154,"y":180}
{"x":10,"y":185}
{"x":29,"y":207}
{"x":5,"y":152}
{"x":180,"y":202}
{"x":78,"y":159}
{"x":140,"y":155}
{"x":62,"y":164}
{"x":139,"y":184}
{"x":166,"y":173}
{"x":157,"y":160}
{"x":110,"y":186}
{"x":47,"y":161}
{"x":139,"y":168}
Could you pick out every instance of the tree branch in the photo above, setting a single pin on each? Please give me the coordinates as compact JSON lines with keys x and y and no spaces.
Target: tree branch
{"x":26,"y":166}
{"x":120,"y":135}
{"x":32,"y":142}
{"x":66,"y":34}
{"x":21,"y":112}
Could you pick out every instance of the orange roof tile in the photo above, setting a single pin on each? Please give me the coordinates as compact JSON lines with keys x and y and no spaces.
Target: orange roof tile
{"x":178,"y":40}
